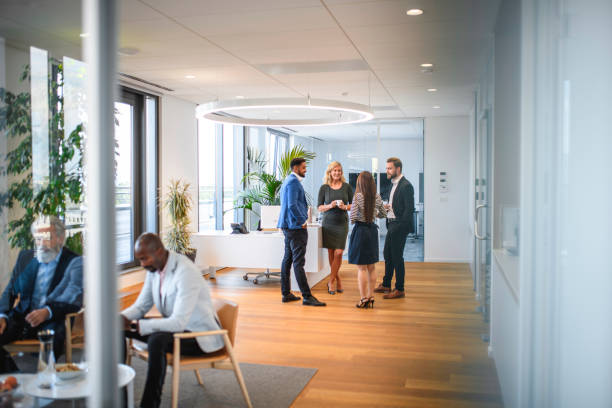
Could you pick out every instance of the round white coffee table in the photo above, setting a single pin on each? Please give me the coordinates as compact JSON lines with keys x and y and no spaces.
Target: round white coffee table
{"x":77,"y":389}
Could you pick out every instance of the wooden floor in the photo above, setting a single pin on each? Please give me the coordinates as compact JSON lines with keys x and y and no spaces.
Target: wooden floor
{"x":421,"y":351}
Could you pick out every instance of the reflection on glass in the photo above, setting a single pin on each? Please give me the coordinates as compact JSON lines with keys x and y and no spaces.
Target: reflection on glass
{"x":124,"y":213}
{"x":206,"y":179}
{"x":151,"y":163}
{"x":510,"y":230}
{"x":39,"y":71}
{"x":75,"y":113}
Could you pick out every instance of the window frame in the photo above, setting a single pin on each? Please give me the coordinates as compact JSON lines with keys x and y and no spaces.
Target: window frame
{"x":140,"y":200}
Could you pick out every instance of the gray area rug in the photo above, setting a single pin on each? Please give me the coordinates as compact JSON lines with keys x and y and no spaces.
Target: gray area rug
{"x":269,"y":386}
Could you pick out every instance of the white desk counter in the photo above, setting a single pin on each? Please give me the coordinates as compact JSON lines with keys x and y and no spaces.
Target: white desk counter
{"x":258,"y":249}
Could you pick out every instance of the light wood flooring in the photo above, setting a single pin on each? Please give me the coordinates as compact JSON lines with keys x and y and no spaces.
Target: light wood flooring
{"x":421,"y":351}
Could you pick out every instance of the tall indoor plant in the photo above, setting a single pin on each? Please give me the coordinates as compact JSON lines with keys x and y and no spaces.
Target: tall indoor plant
{"x":263,"y":188}
{"x":65,"y":183}
{"x":178,"y":203}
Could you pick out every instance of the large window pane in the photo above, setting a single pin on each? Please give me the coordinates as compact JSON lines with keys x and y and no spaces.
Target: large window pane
{"x":228,"y":175}
{"x":124,"y":211}
{"x":206,"y":179}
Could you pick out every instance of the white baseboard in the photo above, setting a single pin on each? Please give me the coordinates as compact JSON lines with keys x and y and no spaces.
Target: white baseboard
{"x":448,"y":260}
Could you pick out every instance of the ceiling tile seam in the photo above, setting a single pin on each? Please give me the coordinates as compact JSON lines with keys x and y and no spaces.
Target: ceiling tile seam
{"x":220,"y":13}
{"x":360,"y":54}
{"x":221,"y":48}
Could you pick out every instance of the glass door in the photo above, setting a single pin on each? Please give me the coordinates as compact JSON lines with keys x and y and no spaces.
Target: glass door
{"x":482,"y":215}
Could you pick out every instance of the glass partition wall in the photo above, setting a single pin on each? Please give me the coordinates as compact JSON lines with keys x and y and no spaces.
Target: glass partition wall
{"x":225,"y":157}
{"x":366,"y":147}
{"x":45,"y":108}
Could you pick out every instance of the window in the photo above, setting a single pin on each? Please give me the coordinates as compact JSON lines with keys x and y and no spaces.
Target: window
{"x":136,"y":171}
{"x":278,"y":146}
{"x":207,"y":174}
{"x":221,"y":168}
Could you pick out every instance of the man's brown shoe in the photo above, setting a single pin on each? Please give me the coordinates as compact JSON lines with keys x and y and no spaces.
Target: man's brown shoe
{"x":382,"y":289}
{"x":395,"y":294}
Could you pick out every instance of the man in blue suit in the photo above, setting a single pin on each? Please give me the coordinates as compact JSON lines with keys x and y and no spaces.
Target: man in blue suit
{"x":292,"y":220}
{"x":46,"y":284}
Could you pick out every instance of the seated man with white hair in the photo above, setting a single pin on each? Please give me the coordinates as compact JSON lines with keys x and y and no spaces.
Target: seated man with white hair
{"x":46,"y":284}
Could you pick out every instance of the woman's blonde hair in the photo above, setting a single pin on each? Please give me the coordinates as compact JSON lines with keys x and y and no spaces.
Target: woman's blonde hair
{"x":327,"y":177}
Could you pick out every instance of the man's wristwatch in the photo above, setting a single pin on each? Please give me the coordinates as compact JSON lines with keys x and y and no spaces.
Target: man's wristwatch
{"x":134,"y":326}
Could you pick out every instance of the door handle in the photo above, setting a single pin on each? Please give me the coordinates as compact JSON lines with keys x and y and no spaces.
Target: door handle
{"x":476,"y":229}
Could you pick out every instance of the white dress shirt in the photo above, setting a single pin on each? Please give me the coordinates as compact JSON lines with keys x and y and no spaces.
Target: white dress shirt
{"x":300,"y":178}
{"x":394,"y":181}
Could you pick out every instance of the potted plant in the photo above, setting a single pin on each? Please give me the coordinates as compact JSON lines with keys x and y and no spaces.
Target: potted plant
{"x":179,"y":203}
{"x":262,"y":188}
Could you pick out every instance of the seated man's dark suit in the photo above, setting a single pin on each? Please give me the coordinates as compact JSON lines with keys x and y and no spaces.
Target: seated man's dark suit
{"x":64,"y":295}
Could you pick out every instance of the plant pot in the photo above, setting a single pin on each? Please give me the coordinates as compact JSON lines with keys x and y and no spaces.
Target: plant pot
{"x":191,"y":255}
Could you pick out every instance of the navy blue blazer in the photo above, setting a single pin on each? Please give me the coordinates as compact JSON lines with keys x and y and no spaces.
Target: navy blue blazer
{"x":294,"y":208}
{"x":22,"y":284}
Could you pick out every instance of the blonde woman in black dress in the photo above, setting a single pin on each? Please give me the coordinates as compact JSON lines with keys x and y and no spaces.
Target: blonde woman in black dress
{"x":335,"y":198}
{"x":363,"y":245}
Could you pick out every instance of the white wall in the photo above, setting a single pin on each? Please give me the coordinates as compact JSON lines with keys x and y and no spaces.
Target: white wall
{"x":178,"y":150}
{"x":504,"y":344}
{"x":506,"y":122}
{"x":447,"y":230}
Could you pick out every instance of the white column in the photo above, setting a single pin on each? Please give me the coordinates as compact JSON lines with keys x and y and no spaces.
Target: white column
{"x":101,"y":318}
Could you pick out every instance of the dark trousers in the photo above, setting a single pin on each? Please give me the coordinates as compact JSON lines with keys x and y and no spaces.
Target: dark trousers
{"x":18,"y":329}
{"x":158,"y":344}
{"x":394,"y":254}
{"x":295,"y":252}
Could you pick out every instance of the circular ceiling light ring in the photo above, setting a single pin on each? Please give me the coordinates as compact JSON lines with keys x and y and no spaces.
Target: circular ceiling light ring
{"x":214,"y":111}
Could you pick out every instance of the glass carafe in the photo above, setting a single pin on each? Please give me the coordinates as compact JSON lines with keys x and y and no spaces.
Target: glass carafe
{"x":46,"y":359}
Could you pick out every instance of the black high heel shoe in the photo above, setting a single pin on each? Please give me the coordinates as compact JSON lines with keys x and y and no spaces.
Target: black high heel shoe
{"x":339,"y":290}
{"x":331,"y":292}
{"x":371,"y":303}
{"x":363,"y":303}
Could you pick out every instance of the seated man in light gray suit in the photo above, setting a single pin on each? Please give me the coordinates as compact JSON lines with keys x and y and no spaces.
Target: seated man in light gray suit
{"x":175,"y":286}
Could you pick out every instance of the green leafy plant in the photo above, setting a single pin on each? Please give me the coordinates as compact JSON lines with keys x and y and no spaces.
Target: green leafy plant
{"x":264,"y":188}
{"x":65,"y":183}
{"x":178,"y":202}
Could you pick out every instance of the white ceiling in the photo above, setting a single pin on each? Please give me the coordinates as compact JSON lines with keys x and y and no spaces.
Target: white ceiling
{"x":363,"y":51}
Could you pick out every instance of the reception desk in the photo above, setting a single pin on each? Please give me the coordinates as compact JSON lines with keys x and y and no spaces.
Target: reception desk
{"x":260,"y":250}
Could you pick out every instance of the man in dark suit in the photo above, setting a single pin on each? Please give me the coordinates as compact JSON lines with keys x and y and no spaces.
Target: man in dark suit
{"x":46,"y":284}
{"x":400,"y":223}
{"x":292,"y":220}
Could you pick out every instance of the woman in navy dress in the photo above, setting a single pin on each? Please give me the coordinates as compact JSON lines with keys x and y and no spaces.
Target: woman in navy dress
{"x":363,"y":244}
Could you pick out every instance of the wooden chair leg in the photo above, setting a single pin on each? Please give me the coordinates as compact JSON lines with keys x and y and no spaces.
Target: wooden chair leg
{"x":68,"y":340}
{"x":176,"y":372}
{"x":237,"y":371}
{"x":197,"y":374}
{"x":128,"y":352}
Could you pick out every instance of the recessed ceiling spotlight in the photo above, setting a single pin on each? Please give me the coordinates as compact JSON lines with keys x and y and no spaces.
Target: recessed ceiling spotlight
{"x":414,"y":12}
{"x":128,"y":51}
{"x":84,"y":35}
{"x":427,"y":65}
{"x":239,"y":97}
{"x":431,"y":90}
{"x":190,"y":76}
{"x":436,"y":106}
